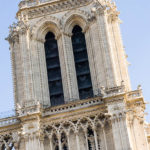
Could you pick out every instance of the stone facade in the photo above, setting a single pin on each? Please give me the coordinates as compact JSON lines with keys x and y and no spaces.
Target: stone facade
{"x":113,"y":119}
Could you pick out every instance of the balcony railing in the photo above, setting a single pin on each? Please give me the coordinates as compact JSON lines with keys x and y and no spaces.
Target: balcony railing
{"x":134,"y":94}
{"x":8,"y":118}
{"x":8,"y":121}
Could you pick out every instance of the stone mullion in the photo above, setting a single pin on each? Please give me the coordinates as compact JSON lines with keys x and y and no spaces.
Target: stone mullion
{"x":51,"y":143}
{"x":43,"y":82}
{"x":67,"y":68}
{"x":68,"y":141}
{"x":91,"y":58}
{"x":77,"y":140}
{"x":106,"y":49}
{"x":59,"y":142}
{"x":86,"y":138}
{"x":95,"y":138}
{"x":105,"y":140}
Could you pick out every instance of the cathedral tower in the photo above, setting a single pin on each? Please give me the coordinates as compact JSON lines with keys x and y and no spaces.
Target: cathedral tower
{"x":71,"y":84}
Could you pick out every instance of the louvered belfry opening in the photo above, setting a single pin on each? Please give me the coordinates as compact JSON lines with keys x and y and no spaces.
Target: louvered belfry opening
{"x":81,"y":63}
{"x":53,"y":70}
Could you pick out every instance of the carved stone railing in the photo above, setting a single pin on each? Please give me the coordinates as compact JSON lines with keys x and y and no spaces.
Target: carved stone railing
{"x":8,"y":121}
{"x":134,"y":95}
{"x":113,"y":91}
{"x":73,"y":106}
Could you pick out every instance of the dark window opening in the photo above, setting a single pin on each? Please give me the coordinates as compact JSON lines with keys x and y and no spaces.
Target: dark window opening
{"x":53,"y":70}
{"x":81,"y":63}
{"x":91,"y":141}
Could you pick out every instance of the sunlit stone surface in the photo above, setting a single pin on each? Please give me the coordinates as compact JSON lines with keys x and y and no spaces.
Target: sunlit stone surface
{"x":71,"y":84}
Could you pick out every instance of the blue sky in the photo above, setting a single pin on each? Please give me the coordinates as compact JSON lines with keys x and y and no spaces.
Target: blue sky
{"x":136,"y":38}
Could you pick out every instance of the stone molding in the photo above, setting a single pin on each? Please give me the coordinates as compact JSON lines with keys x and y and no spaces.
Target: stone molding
{"x":50,"y":8}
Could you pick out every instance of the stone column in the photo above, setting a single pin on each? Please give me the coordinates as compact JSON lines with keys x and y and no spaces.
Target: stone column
{"x":42,"y":74}
{"x":119,"y":126}
{"x":77,"y":140}
{"x":91,"y":58}
{"x":51,"y":142}
{"x":26,"y":65}
{"x":136,"y":128}
{"x":59,"y":141}
{"x":121,"y":66}
{"x":95,"y":138}
{"x":96,"y":58}
{"x":105,"y":140}
{"x":105,"y":48}
{"x":33,"y":141}
{"x":17,"y":69}
{"x":68,"y":140}
{"x":86,"y":138}
{"x":67,"y":68}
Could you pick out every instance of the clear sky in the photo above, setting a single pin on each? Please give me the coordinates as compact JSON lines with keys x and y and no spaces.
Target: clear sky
{"x":136,"y":37}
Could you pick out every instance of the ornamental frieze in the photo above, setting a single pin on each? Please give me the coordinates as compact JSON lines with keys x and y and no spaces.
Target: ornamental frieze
{"x":50,"y":8}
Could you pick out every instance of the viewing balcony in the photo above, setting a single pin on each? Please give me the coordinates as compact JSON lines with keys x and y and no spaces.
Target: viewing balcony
{"x":33,"y":107}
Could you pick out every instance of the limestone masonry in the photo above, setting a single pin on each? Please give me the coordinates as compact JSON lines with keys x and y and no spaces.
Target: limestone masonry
{"x":71,"y":85}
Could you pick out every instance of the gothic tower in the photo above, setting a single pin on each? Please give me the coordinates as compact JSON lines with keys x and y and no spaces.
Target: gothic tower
{"x":71,"y":84}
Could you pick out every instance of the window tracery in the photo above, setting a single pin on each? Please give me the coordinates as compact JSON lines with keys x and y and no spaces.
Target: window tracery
{"x":64,"y":141}
{"x":83,"y":125}
{"x":6,"y":143}
{"x":55,"y":142}
{"x":53,"y":70}
{"x":81,"y":63}
{"x":91,"y":140}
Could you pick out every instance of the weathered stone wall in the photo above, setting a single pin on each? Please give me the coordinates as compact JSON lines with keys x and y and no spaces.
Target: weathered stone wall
{"x":114,"y":121}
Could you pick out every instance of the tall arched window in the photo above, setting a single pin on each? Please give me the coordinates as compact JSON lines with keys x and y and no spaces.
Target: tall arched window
{"x":53,"y":70}
{"x":81,"y":63}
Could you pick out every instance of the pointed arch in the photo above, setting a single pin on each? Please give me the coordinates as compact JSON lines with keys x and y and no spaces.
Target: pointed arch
{"x":45,"y":25}
{"x":76,"y":17}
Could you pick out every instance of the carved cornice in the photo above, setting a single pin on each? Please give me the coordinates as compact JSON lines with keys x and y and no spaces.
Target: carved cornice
{"x":50,"y":8}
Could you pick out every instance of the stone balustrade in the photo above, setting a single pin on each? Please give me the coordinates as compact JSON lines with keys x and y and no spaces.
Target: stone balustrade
{"x":73,"y":106}
{"x":8,"y":121}
{"x":33,"y":106}
{"x":134,"y":95}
